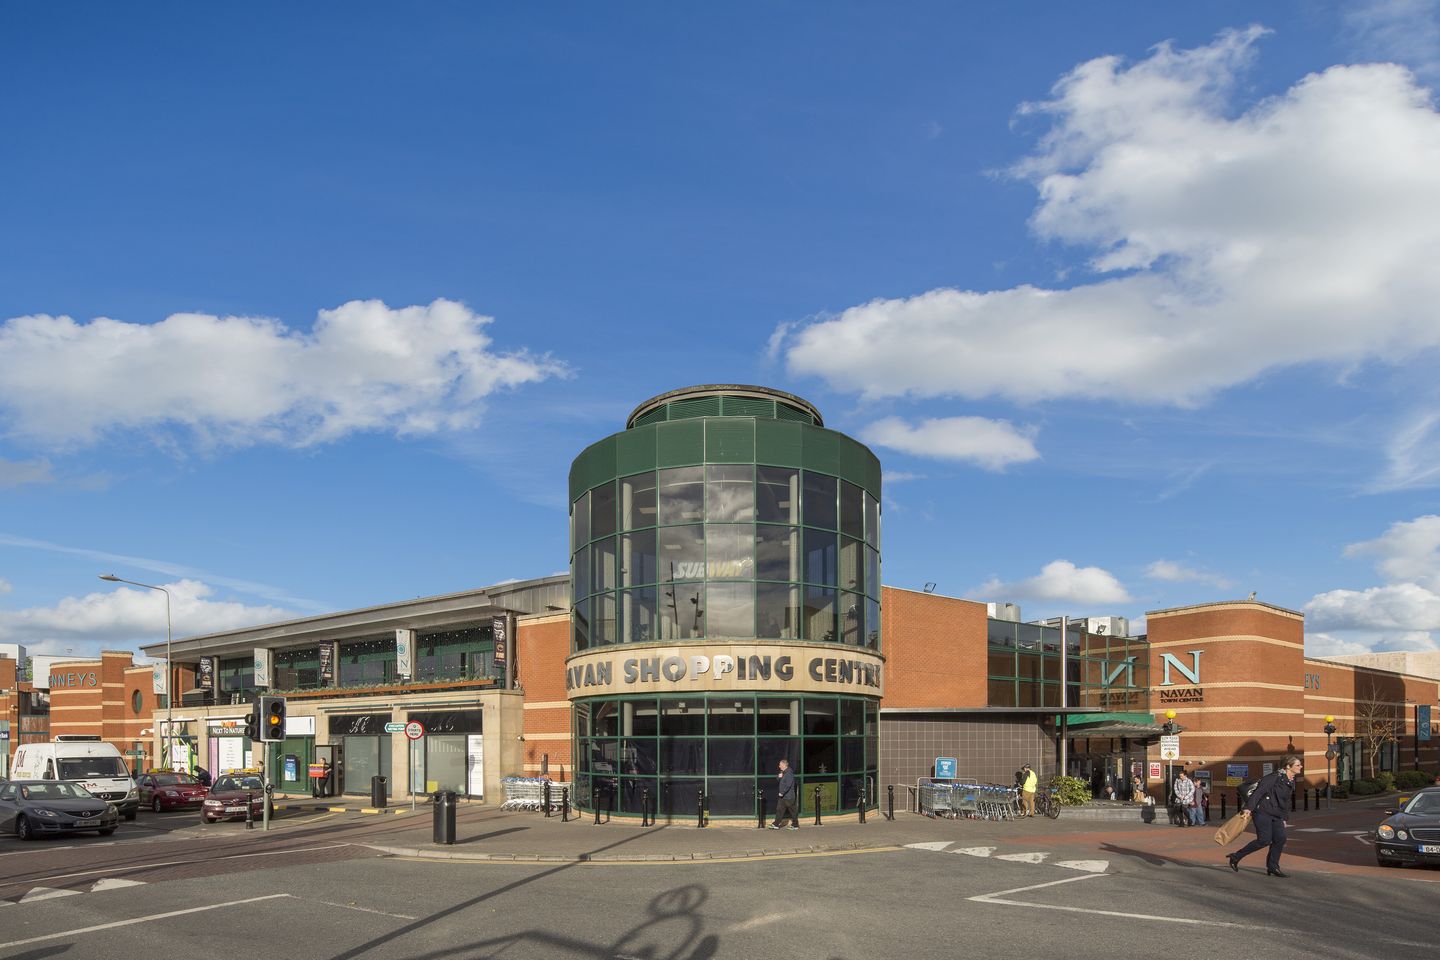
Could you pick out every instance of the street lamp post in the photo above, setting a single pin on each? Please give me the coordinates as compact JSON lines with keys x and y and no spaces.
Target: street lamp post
{"x":1169,"y":729}
{"x":1329,"y":756}
{"x":169,"y":732}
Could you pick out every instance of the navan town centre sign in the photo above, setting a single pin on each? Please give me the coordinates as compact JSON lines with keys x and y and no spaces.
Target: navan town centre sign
{"x":791,"y":667}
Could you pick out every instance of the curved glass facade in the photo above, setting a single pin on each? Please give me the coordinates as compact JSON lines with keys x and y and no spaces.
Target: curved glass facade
{"x":724,"y":513}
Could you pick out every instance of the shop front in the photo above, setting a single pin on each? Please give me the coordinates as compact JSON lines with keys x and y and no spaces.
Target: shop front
{"x":365,"y":749}
{"x":451,"y":754}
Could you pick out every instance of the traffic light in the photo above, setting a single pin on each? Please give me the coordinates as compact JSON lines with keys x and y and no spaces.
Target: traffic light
{"x":272,"y":719}
{"x":252,"y":722}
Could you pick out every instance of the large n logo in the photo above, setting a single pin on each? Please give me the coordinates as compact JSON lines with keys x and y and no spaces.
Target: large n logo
{"x":1191,"y":673}
{"x":1125,"y":668}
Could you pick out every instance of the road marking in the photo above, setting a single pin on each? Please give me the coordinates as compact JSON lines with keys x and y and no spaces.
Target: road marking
{"x":976,"y":851}
{"x":1355,"y":833}
{"x":996,"y":898}
{"x":1088,"y":866}
{"x":176,"y":863}
{"x":1024,"y":857}
{"x":755,"y":923}
{"x":115,"y":883}
{"x":45,"y":893}
{"x":21,"y":853}
{"x":1314,"y":830}
{"x":352,"y":906}
{"x":931,"y":845}
{"x":134,"y":920}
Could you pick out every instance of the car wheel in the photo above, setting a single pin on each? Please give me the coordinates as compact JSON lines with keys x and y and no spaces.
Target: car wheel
{"x":107,"y":831}
{"x":23,"y":830}
{"x":157,"y":806}
{"x":130,"y":815}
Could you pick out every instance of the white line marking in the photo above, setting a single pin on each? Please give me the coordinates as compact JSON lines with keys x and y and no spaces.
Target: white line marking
{"x":976,"y":851}
{"x":995,"y":898}
{"x":932,"y":845}
{"x":46,"y":893}
{"x":351,"y":906}
{"x":1024,"y":857}
{"x":765,"y":920}
{"x":1355,"y":833}
{"x":134,"y":920}
{"x":176,"y":863}
{"x":115,"y":883}
{"x":1087,"y":866}
{"x":1314,"y":830}
{"x":21,"y":853}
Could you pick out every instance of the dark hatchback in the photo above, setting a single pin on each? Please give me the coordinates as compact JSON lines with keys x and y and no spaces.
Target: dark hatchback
{"x":229,"y":796}
{"x":1412,"y":833}
{"x":36,"y":808}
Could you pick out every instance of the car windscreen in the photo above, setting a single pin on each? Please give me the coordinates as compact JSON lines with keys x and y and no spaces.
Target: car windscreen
{"x":87,"y":768}
{"x":175,"y":780}
{"x":1425,"y":805}
{"x":53,"y":791}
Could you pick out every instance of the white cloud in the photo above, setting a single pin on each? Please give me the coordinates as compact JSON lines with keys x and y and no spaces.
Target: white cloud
{"x":241,"y":380}
{"x":18,"y":473}
{"x":5,"y":586}
{"x":1409,"y":552}
{"x":1232,"y":240}
{"x":1404,"y":30}
{"x":1397,"y":606}
{"x":127,"y":617}
{"x":992,"y":444}
{"x":1172,"y":572}
{"x":1412,"y":453}
{"x":901,"y":476}
{"x":1061,"y":580}
{"x":1329,"y":645}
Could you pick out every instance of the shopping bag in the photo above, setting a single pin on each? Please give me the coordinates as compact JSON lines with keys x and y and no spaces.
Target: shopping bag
{"x":1231,"y":829}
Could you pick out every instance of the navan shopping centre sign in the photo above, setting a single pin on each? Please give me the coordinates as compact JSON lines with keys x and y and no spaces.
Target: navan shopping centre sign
{"x":690,"y":667}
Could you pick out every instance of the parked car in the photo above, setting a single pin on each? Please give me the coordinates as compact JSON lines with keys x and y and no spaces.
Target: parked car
{"x":93,"y":763}
{"x":170,"y":791}
{"x":1411,"y":834}
{"x":228,"y":796}
{"x":35,"y":808}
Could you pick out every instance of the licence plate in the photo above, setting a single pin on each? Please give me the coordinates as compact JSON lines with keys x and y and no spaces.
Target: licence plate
{"x":234,"y":809}
{"x":1430,"y":848}
{"x":87,"y":823}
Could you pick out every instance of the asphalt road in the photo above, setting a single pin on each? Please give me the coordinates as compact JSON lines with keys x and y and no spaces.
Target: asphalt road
{"x":313,"y":889}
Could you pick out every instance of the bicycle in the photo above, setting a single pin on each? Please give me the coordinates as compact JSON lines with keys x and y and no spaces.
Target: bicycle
{"x":1046,"y":804}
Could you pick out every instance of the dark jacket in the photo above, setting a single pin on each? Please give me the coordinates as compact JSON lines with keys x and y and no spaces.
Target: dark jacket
{"x":1272,"y":795}
{"x":786,"y":786}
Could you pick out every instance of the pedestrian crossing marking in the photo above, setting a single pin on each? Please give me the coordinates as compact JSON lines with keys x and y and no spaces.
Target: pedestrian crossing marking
{"x":1087,"y":866}
{"x":114,"y":884}
{"x":1024,"y":857}
{"x":1314,"y":830}
{"x":46,"y":893}
{"x":936,"y":845}
{"x":976,"y":851}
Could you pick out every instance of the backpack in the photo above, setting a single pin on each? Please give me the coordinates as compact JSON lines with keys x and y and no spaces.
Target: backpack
{"x":1244,"y":791}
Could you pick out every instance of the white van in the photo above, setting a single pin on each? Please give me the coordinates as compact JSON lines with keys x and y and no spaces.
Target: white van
{"x":89,"y":761}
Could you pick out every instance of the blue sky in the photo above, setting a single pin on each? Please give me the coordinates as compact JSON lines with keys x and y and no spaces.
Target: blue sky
{"x":309,"y":307}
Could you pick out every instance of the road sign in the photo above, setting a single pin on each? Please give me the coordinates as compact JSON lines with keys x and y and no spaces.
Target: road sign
{"x":394,"y":727}
{"x":414,"y":729}
{"x":1170,"y":747}
{"x":946,"y":768}
{"x":1155,"y":771}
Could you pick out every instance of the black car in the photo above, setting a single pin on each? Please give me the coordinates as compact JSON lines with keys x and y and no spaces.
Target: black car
{"x":34,"y":808}
{"x":1412,"y":833}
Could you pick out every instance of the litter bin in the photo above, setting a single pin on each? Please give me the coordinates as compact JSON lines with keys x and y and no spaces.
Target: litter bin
{"x":379,"y":796}
{"x":444,"y":815}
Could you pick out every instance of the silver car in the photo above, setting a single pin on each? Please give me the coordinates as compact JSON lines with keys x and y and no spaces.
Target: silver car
{"x":36,"y":808}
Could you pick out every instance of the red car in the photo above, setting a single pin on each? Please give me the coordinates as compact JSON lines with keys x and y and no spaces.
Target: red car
{"x":228,"y":797}
{"x":170,"y":791}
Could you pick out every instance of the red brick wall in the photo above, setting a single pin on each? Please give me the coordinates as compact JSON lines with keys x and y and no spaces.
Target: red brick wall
{"x":934,"y":650}
{"x":542,"y":644}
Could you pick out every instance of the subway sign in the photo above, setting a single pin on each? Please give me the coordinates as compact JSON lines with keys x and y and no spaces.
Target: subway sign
{"x":637,"y":668}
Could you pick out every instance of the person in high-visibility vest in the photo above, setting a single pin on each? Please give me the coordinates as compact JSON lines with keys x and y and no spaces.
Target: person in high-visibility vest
{"x":1027,"y":790}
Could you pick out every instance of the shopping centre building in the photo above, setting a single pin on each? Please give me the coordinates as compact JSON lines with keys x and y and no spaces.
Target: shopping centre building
{"x":724,"y":610}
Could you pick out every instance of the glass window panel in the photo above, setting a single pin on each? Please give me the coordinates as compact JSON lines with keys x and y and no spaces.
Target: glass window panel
{"x":852,"y":572}
{"x":637,"y":795}
{"x":872,"y":721}
{"x":777,"y":495}
{"x":730,"y":493}
{"x":852,"y":717}
{"x":603,"y":625}
{"x":852,"y":511}
{"x":852,"y":791}
{"x":777,"y":552}
{"x":731,"y":610}
{"x":1001,"y":663}
{"x":1050,"y":663}
{"x":682,"y":718}
{"x":771,"y":751}
{"x":730,"y":551}
{"x":639,"y":560}
{"x":819,"y":718}
{"x":602,"y":565}
{"x":852,"y":753}
{"x":731,"y":757}
{"x":637,"y":613}
{"x":872,"y":521}
{"x":732,"y":796}
{"x":678,"y":798}
{"x":581,"y":523}
{"x":682,"y":495}
{"x":872,"y":572}
{"x":822,"y":756}
{"x":851,"y":613}
{"x":778,"y":717}
{"x":639,"y":757}
{"x":1028,"y":694}
{"x":682,"y":756}
{"x":820,"y":614}
{"x":1027,"y":636}
{"x":1050,"y":695}
{"x":680,"y":611}
{"x":777,"y":611}
{"x":637,"y":501}
{"x":872,"y":624}
{"x":872,"y":755}
{"x":605,"y":720}
{"x":682,"y":553}
{"x":731,"y":718}
{"x":580,"y":573}
{"x":1000,"y":693}
{"x":819,"y":500}
{"x":602,"y":510}
{"x":1029,"y":666}
{"x":820,"y":557}
{"x":644,"y":719}
{"x":604,"y":757}
{"x":1001,"y":633}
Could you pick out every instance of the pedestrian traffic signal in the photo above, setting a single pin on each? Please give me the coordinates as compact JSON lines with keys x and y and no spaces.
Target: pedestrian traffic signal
{"x":252,"y":722}
{"x":272,"y":719}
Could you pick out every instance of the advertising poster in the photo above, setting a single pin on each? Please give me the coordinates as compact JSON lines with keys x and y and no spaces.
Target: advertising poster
{"x":205,"y":674}
{"x":231,"y":754}
{"x":500,"y":627}
{"x":1236,"y":774}
{"x":262,"y":667}
{"x":327,"y":664}
{"x":475,"y":765}
{"x":405,"y":653}
{"x":157,"y":677}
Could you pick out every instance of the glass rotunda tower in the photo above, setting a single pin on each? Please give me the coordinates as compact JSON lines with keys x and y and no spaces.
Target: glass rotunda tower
{"x":725,"y":573}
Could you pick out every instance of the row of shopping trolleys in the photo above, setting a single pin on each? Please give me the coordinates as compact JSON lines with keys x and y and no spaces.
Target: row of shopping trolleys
{"x":967,"y":800}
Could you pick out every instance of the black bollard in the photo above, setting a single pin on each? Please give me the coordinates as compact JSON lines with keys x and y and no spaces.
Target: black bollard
{"x":700,"y":809}
{"x":864,"y":796}
{"x":1224,"y":799}
{"x":564,"y":804}
{"x":610,"y":805}
{"x":759,"y":809}
{"x":545,"y":797}
{"x":817,"y":806}
{"x":249,"y":811}
{"x":890,"y":802}
{"x":593,"y":805}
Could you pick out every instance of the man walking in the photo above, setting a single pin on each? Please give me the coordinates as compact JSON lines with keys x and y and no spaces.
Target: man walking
{"x":1028,"y":784}
{"x":1267,"y":807}
{"x":788,"y":791}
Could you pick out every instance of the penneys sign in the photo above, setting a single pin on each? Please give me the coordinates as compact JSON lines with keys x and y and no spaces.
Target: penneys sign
{"x":695,"y":667}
